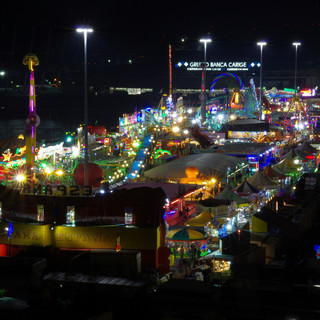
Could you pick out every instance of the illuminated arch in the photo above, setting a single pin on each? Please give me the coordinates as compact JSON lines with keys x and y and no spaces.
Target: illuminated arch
{"x":160,"y":152}
{"x":226,"y":74}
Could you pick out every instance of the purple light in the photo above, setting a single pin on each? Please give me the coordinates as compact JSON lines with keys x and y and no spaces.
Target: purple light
{"x":32,"y":134}
{"x":31,"y":90}
{"x":31,"y":77}
{"x":31,"y":105}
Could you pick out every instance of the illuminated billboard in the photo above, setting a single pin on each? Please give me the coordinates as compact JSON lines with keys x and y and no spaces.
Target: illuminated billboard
{"x":218,"y":65}
{"x":307,"y":92}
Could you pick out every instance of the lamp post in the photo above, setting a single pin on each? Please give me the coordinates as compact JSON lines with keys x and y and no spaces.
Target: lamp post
{"x":296,"y":44}
{"x":203,"y":82}
{"x":261,"y":44}
{"x":85,"y":31}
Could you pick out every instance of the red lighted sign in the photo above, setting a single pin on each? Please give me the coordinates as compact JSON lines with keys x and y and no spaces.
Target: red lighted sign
{"x":307,"y":92}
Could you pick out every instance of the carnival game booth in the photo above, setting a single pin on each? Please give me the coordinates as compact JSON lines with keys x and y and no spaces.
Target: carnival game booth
{"x":247,"y":190}
{"x":266,"y":185}
{"x":216,"y":214}
{"x":272,"y":174}
{"x":208,"y":222}
{"x":125,"y":220}
{"x":229,"y":194}
{"x":296,"y":155}
{"x":240,"y":206}
{"x":234,"y":250}
{"x":185,"y":243}
{"x":201,"y":220}
{"x":307,"y":147}
{"x":199,"y":235}
{"x":245,"y":125}
{"x":250,"y":130}
{"x":261,"y":181}
{"x":269,"y":188}
{"x":289,"y":169}
{"x":311,"y":156}
{"x":302,"y":156}
{"x":315,"y":141}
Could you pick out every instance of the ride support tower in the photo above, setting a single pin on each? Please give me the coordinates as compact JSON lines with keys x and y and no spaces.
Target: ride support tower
{"x":31,"y":61}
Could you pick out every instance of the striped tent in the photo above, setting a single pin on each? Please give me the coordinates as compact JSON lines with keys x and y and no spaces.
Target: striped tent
{"x":269,"y":172}
{"x":185,"y":234}
{"x":200,"y":220}
{"x":286,"y":166}
{"x":229,"y":194}
{"x":246,"y":188}
{"x":296,"y":154}
{"x":260,"y":181}
{"x":306,"y":147}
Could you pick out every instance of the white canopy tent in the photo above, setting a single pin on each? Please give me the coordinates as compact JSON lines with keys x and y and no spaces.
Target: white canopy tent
{"x":209,"y":164}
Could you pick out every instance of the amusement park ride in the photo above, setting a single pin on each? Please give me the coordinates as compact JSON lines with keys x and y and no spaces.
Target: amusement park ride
{"x":299,"y":116}
{"x":224,"y":106}
{"x":241,"y":101}
{"x":32,"y":121}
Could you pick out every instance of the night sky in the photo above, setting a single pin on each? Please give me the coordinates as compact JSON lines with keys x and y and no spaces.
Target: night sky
{"x":142,"y":31}
{"x":145,"y":27}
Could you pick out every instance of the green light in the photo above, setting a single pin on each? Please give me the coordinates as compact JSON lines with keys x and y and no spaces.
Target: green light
{"x":161,"y":152}
{"x":289,"y":90}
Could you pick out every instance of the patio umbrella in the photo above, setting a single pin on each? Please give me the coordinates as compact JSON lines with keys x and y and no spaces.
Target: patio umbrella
{"x":185,"y":234}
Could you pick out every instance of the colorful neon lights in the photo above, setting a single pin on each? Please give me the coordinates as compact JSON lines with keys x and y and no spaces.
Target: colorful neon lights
{"x":31,"y":60}
{"x":7,"y":156}
{"x":307,"y":92}
{"x":226,"y":74}
{"x":160,"y":152}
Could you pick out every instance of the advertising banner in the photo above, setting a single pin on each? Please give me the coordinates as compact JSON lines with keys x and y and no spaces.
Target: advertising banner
{"x":105,"y":237}
{"x":26,"y":234}
{"x":93,"y":237}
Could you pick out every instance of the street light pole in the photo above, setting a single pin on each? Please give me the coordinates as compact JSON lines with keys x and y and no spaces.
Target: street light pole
{"x":296,"y":44}
{"x":261,"y":44}
{"x":86,"y":150}
{"x":203,"y":84}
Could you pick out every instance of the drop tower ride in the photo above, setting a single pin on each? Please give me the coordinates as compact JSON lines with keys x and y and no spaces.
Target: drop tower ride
{"x":31,"y":61}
